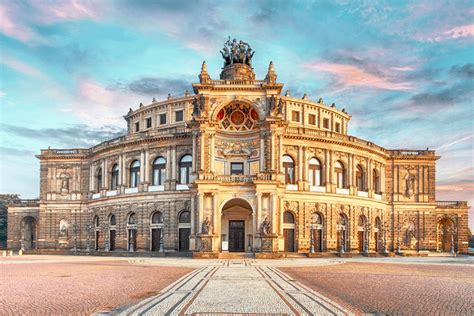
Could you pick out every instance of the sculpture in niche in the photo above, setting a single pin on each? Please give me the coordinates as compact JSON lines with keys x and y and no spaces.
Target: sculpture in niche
{"x":409,"y":238}
{"x":63,"y":228}
{"x":206,"y":226}
{"x":265,"y":227}
{"x":64,"y":183}
{"x":410,"y":185}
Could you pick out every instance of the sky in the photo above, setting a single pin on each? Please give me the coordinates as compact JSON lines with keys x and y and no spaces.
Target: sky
{"x":70,"y":70}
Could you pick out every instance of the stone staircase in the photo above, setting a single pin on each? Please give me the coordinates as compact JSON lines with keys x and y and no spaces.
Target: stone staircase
{"x":236,"y":255}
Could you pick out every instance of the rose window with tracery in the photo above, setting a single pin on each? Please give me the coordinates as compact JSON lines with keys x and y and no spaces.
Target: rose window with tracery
{"x":237,"y":117}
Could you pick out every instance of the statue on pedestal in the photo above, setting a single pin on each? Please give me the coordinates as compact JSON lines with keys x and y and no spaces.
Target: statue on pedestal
{"x":206,"y":226}
{"x":265,"y":227}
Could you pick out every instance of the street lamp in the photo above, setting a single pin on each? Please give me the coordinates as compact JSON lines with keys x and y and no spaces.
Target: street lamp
{"x":311,"y":239}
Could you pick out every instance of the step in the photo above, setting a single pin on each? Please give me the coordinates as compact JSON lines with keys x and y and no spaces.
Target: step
{"x":236,"y":255}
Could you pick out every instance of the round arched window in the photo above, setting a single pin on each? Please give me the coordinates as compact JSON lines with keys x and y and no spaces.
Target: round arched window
{"x":157,"y":218}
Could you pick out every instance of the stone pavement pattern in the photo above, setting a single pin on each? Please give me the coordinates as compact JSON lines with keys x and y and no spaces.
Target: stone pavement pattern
{"x":236,"y":287}
{"x":420,"y":289}
{"x":39,"y":287}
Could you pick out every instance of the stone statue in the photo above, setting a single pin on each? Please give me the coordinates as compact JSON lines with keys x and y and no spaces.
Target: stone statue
{"x":265,"y":227}
{"x":206,"y":226}
{"x":280,"y":107}
{"x":195,"y":107}
{"x":237,"y":52}
{"x":65,"y":184}
{"x":410,"y":184}
{"x":63,"y":227}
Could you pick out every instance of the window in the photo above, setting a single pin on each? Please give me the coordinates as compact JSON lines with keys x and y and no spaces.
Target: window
{"x":179,"y":116}
{"x":314,"y":172}
{"x":295,"y":116}
{"x":148,"y":122}
{"x":289,"y":169}
{"x":326,"y":123}
{"x":134,"y":173}
{"x":236,"y":168}
{"x":184,"y":217}
{"x":112,"y":220}
{"x":99,"y":180}
{"x":159,"y":171}
{"x":360,"y":178}
{"x":338,"y":127}
{"x":312,"y":119}
{"x":185,"y":169}
{"x":288,"y":218}
{"x":340,"y":175}
{"x":376,"y":181}
{"x":97,"y":221}
{"x":132,"y":219}
{"x":157,"y":218}
{"x":163,"y":119}
{"x":137,"y":126}
{"x":115,"y":177}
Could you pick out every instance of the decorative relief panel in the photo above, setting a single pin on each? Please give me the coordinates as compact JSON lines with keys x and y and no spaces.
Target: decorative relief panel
{"x":238,"y":117}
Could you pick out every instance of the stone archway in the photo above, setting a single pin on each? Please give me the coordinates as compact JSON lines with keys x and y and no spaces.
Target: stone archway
{"x":237,"y":225}
{"x":28,"y":233}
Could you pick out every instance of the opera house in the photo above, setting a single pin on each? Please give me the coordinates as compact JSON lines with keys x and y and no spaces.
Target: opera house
{"x":238,"y":166}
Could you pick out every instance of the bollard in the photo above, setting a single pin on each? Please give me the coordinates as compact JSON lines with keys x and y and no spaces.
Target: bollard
{"x":20,"y":253}
{"x":4,"y":253}
{"x":11,"y":253}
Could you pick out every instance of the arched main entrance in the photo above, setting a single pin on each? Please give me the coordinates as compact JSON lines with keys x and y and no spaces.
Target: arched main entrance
{"x":236,"y":225}
{"x":361,"y":233}
{"x":28,"y":232}
{"x":184,"y":230}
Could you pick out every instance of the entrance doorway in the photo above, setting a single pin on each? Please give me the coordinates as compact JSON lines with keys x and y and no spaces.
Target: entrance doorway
{"x":289,"y":231}
{"x":184,"y":239}
{"x":236,"y":236}
{"x":28,"y":232}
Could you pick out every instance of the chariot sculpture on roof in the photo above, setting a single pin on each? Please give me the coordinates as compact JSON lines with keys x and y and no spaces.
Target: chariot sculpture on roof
{"x":237,"y":52}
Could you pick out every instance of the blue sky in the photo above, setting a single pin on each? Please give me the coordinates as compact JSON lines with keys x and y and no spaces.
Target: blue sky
{"x":70,"y":69}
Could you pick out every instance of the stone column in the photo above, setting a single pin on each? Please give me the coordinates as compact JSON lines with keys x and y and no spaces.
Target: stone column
{"x":215,"y":213}
{"x":173,"y":163}
{"x":262,"y":153}
{"x":142,"y":171}
{"x":300,"y":163}
{"x":147,"y":167}
{"x":105,"y":178}
{"x":274,"y":205}
{"x":200,"y":210}
{"x":91,"y":178}
{"x":194,"y":153}
{"x":203,"y":153}
{"x":280,"y":223}
{"x":258,"y":214}
{"x":280,"y":153}
{"x":211,"y":149}
{"x":123,"y":171}
{"x":119,"y":180}
{"x":305,"y":164}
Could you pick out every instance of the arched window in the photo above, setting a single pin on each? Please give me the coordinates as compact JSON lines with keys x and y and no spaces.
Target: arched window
{"x":289,"y":169}
{"x":185,"y":165}
{"x":362,"y":221}
{"x":99,"y":180}
{"x":314,"y":172}
{"x":340,"y":172}
{"x":185,"y":217}
{"x":288,"y":218}
{"x":132,"y":219}
{"x":376,"y":181}
{"x":157,"y":218}
{"x":159,"y":171}
{"x":96,"y":221}
{"x":360,"y":178}
{"x":112,"y":220}
{"x":115,"y":177}
{"x":134,"y":173}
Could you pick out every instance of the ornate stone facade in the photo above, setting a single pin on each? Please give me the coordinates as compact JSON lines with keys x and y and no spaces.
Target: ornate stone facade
{"x":238,"y":167}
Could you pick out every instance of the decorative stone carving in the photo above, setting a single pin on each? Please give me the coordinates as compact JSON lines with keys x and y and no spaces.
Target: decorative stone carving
{"x":409,"y":185}
{"x":265,"y":227}
{"x":237,"y":53}
{"x":206,"y":226}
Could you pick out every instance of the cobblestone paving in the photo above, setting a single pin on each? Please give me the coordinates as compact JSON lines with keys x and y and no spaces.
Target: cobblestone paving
{"x":413,"y":289}
{"x":42,"y":287}
{"x":236,"y":287}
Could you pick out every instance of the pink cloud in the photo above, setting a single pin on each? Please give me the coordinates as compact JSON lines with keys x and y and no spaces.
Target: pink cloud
{"x":11,"y":28}
{"x":66,"y":10}
{"x":349,"y":75}
{"x":453,"y":33}
{"x":22,"y":67}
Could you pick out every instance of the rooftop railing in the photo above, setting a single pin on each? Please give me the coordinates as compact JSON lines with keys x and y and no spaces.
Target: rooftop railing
{"x":451,"y":203}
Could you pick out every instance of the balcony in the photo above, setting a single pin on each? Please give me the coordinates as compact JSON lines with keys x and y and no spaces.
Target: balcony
{"x":236,"y":178}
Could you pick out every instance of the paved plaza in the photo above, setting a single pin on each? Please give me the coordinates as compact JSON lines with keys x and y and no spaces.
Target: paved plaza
{"x":61,"y":285}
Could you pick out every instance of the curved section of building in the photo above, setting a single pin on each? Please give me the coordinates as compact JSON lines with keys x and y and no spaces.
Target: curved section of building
{"x":239,"y":167}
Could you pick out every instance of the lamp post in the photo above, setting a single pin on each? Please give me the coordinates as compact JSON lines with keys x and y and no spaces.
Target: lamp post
{"x":398,"y":239}
{"x":366,"y":237}
{"x":162,"y":249}
{"x":342,"y":248}
{"x":311,"y":238}
{"x":75,"y":231}
{"x":384,"y":242}
{"x":453,"y":232}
